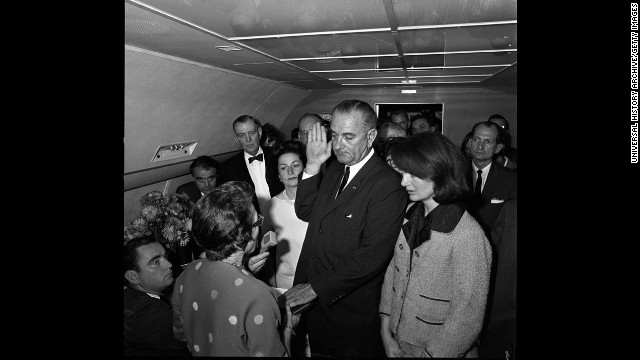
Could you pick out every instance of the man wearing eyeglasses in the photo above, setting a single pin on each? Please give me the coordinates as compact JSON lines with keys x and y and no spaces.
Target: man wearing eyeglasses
{"x":254,"y":165}
{"x":305,"y":123}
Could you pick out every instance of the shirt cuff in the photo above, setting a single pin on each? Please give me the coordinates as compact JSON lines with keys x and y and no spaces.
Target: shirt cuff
{"x":306,"y":176}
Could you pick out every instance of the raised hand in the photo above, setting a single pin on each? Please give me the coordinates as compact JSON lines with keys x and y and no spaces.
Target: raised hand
{"x":318,"y":148}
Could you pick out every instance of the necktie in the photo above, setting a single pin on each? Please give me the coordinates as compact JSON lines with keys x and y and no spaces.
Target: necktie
{"x":258,"y":157}
{"x":479,"y":183}
{"x":344,"y":180}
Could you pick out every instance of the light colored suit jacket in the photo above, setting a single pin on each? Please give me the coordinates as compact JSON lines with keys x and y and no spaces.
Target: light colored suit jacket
{"x":436,"y":295}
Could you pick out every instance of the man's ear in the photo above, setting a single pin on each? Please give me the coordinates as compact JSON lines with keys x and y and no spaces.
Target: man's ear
{"x":132,"y":276}
{"x":259,"y":133}
{"x":499,"y":147}
{"x":371,"y":136}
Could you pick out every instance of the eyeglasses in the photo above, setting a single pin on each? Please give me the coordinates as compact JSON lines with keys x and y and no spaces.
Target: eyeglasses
{"x":303,"y":133}
{"x":259,"y":222}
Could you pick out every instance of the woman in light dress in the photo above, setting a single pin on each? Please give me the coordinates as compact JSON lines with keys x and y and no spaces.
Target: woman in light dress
{"x":280,"y":217}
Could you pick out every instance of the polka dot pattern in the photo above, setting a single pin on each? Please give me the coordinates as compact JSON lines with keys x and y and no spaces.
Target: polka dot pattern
{"x":238,"y":282}
{"x":196,"y":348}
{"x":181,"y":287}
{"x":210,"y":338}
{"x":195,"y":306}
{"x":259,"y":354}
{"x":258,"y":319}
{"x":214,"y":294}
{"x":233,"y":320}
{"x":198,"y":265}
{"x":245,"y":272}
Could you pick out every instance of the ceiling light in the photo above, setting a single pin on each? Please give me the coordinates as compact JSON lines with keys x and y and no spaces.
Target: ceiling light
{"x":409,"y":91}
{"x":229,"y":48}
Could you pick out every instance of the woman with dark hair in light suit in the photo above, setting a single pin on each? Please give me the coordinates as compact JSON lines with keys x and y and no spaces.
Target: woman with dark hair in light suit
{"x":435,"y":287}
{"x":219,"y":308}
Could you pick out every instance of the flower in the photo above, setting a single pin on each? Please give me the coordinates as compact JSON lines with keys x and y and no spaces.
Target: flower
{"x":165,"y":217}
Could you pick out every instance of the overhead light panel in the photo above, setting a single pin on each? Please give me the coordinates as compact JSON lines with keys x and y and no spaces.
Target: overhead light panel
{"x":229,"y":48}
{"x":174,"y":151}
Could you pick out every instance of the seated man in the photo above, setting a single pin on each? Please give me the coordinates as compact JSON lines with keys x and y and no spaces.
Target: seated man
{"x":148,"y":322}
{"x":204,"y":170}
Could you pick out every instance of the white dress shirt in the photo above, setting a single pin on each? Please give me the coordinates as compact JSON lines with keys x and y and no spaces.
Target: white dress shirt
{"x":257,"y":173}
{"x":353,"y":169}
{"x":485,"y":172}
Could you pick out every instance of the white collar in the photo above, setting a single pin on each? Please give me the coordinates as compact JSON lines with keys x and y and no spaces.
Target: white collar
{"x":353,"y":169}
{"x":247,"y":155}
{"x":485,"y":170}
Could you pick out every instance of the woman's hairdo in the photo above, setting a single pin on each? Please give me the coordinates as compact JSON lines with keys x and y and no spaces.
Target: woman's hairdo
{"x":430,"y":155}
{"x":222,"y":220}
{"x":290,"y":146}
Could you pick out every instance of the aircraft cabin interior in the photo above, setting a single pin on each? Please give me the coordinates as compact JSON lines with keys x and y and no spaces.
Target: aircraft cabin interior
{"x":193,"y":66}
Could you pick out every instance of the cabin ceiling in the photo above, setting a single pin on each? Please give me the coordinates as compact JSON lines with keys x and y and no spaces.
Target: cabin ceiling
{"x":328,"y":44}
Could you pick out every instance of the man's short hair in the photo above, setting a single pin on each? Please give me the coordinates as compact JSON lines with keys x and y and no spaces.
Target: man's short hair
{"x":204,"y":162}
{"x":500,"y":138}
{"x":357,"y":107}
{"x":389,"y":126}
{"x":222,"y":220}
{"x":431,"y":120}
{"x":244,"y":119}
{"x":431,"y":155}
{"x":294,"y":133}
{"x":399,"y":112}
{"x":131,"y":255}
{"x":311,"y":115}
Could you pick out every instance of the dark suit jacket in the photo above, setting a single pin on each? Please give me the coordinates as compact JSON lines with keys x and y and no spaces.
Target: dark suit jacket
{"x":501,"y":185}
{"x":235,"y":168}
{"x":191,"y":190}
{"x":348,"y":245}
{"x":500,"y":335}
{"x":194,"y":195}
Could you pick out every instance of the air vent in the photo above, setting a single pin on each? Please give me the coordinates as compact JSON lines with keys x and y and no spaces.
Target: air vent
{"x":228,"y":48}
{"x":174,"y":151}
{"x":144,"y":27}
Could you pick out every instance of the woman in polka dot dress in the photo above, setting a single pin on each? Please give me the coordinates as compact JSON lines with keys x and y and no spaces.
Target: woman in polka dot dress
{"x":219,"y":308}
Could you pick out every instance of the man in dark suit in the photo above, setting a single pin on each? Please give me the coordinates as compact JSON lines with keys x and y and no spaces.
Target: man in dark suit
{"x":204,"y":170}
{"x":493,"y":184}
{"x":254,"y":165}
{"x":499,"y":339}
{"x":355,"y":211}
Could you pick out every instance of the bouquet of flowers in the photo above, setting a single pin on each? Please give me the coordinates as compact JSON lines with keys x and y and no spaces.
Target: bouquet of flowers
{"x":166,"y":218}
